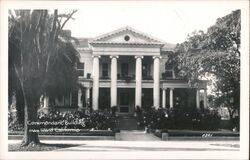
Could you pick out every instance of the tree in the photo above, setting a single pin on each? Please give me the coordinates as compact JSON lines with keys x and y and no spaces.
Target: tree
{"x":35,"y":44}
{"x":215,"y":53}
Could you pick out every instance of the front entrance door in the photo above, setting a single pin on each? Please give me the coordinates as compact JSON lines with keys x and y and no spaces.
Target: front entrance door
{"x":125,"y":101}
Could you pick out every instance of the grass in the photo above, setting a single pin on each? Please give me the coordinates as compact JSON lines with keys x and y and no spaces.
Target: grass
{"x":40,"y":147}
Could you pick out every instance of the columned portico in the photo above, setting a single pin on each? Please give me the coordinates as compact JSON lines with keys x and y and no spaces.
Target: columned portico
{"x":95,"y":92}
{"x":113,"y":80}
{"x":122,"y":76}
{"x":156,"y":93}
{"x":138,"y":80}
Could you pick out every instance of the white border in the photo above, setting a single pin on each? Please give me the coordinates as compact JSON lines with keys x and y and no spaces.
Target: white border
{"x":4,"y":154}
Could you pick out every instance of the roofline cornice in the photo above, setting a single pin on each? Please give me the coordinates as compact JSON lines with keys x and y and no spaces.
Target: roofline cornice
{"x":110,"y":34}
{"x":125,"y":44}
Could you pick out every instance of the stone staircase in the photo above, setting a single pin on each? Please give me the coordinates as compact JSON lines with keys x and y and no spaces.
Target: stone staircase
{"x":127,"y":122}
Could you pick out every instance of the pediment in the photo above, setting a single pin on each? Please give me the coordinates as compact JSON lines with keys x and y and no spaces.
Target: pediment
{"x":126,"y":35}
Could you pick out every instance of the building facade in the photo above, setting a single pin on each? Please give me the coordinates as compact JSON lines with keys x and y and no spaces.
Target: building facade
{"x":127,"y":68}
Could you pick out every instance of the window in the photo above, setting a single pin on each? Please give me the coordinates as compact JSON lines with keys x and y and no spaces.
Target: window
{"x":104,"y":69}
{"x":124,"y":69}
{"x":145,"y":70}
{"x":80,"y":69}
{"x":168,"y":70}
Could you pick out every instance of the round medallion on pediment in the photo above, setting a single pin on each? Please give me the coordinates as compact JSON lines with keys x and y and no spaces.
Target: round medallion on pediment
{"x":126,"y":38}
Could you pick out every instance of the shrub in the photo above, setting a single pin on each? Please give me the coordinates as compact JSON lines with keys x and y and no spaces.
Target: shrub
{"x":179,"y":118}
{"x":13,"y":123}
{"x":98,"y":120}
{"x":152,"y":118}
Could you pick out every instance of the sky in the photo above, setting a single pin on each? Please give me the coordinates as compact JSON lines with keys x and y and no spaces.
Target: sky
{"x":170,"y":21}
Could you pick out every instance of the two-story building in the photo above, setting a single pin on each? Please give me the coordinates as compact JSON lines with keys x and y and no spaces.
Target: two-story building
{"x":127,"y":68}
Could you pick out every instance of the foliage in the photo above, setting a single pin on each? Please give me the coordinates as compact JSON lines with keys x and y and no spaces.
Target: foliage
{"x":98,"y":120}
{"x":215,"y":53}
{"x":36,"y":44}
{"x":179,"y":118}
{"x":13,"y":123}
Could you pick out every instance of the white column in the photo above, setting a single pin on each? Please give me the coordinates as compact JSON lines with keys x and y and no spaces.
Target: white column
{"x":46,"y":101}
{"x":171,"y":97}
{"x":80,"y":105}
{"x":198,"y":98}
{"x":113,"y":84}
{"x":138,"y":80}
{"x":95,"y":92}
{"x":156,"y":92}
{"x":205,"y":98}
{"x":163,"y":97}
{"x":87,"y":94}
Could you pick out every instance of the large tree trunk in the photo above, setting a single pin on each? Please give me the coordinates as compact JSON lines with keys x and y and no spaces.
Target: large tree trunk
{"x":29,"y":137}
{"x":30,"y":115}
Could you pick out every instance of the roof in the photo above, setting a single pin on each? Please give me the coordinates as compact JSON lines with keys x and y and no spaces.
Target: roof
{"x":83,"y":42}
{"x":109,"y":38}
{"x":127,"y":29}
{"x":168,"y":47}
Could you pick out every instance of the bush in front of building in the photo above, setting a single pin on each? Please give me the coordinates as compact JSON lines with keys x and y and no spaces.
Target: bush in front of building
{"x":13,"y":123}
{"x":96,"y":120}
{"x":152,"y":118}
{"x":101,"y":120}
{"x":210,"y":120}
{"x":179,"y":118}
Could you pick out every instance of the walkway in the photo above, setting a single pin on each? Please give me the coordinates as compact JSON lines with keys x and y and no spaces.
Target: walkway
{"x":145,"y":150}
{"x":135,"y":135}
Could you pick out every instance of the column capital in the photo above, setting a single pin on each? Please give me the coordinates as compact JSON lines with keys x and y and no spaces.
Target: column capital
{"x":164,"y":88}
{"x":154,"y":57}
{"x":113,"y":56}
{"x":171,"y":89}
{"x":138,"y":57}
{"x":96,"y":56}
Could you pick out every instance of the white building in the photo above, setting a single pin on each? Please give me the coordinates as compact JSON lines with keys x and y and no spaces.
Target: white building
{"x":127,"y":68}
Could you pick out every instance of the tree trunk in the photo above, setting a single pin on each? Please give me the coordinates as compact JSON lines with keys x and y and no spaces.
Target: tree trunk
{"x":231,"y":116}
{"x":30,"y":115}
{"x":29,"y":137}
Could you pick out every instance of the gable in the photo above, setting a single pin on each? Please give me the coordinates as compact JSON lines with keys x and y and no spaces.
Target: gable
{"x":126,"y":35}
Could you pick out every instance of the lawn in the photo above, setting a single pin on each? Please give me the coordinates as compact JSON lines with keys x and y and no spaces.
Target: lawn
{"x":40,"y":147}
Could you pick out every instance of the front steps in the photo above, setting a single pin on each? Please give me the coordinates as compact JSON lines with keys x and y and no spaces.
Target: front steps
{"x":127,"y":122}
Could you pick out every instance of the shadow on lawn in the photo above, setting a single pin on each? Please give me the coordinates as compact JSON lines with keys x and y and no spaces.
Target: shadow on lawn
{"x":40,"y":147}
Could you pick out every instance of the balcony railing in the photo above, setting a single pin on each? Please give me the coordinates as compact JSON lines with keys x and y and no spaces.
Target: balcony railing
{"x":147,"y":77}
{"x":104,"y":77}
{"x":167,"y":75}
{"x":127,"y":78}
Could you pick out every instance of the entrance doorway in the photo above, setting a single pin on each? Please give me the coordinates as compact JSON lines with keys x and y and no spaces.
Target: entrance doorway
{"x":147,"y":97}
{"x":126,"y":101}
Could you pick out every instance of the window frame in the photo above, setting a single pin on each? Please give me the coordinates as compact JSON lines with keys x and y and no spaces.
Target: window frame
{"x":105,"y":69}
{"x":125,"y":69}
{"x":80,"y":69}
{"x":169,"y":69}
